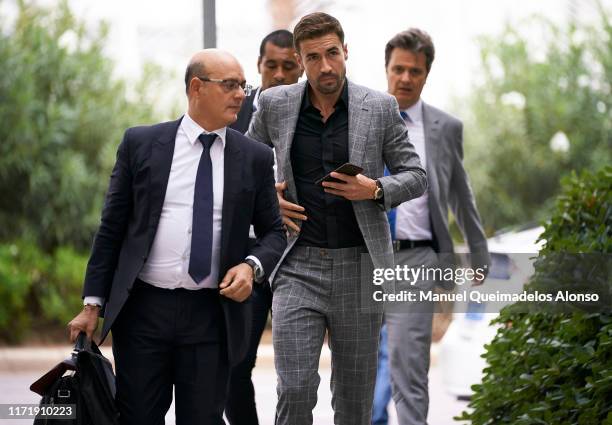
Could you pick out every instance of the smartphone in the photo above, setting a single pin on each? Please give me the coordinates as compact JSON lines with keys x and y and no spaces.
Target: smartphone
{"x":349,"y":169}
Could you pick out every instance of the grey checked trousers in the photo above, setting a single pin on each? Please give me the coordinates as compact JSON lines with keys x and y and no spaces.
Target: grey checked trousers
{"x":318,"y":290}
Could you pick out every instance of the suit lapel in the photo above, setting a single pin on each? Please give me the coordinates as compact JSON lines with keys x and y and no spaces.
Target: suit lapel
{"x":359,"y":122}
{"x":160,"y":162}
{"x":431,"y":128}
{"x":246,"y":113}
{"x":290,"y":110}
{"x":232,"y":176}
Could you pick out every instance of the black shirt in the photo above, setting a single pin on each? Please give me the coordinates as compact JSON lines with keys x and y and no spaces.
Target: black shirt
{"x":318,"y":148}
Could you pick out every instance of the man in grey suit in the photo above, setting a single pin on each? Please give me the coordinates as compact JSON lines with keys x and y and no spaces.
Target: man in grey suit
{"x":420,"y":227}
{"x":315,"y":127}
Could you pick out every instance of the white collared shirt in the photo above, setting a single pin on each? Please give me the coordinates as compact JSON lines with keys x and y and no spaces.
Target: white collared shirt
{"x":168,"y":263}
{"x":412,"y":217}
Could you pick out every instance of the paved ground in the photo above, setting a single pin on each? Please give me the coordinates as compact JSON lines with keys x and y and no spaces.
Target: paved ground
{"x":20,"y":367}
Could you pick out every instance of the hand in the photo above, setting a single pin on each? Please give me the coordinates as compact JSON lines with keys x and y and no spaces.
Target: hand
{"x":237,"y":283}
{"x":86,"y":321}
{"x":288,"y":210}
{"x":353,"y":188}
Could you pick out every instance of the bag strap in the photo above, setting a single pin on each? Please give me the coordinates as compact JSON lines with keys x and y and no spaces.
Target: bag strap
{"x":82,"y":343}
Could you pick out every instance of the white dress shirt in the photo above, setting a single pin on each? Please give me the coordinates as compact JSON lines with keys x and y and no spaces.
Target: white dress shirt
{"x":167,"y":265}
{"x":412,"y":217}
{"x":168,"y":262}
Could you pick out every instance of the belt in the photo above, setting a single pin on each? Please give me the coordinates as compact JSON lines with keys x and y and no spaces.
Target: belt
{"x":399,"y":245}
{"x":142,"y":285}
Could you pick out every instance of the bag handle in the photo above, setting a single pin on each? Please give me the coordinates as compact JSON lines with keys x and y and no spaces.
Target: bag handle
{"x":82,"y":343}
{"x":69,"y":363}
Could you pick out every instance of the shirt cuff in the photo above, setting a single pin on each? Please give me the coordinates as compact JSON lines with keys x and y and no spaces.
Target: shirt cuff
{"x":259,"y":271}
{"x":93,"y":300}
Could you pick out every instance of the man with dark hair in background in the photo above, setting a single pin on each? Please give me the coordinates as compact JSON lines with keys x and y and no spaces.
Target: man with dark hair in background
{"x":315,"y":127}
{"x":420,"y":227}
{"x":277,"y":65}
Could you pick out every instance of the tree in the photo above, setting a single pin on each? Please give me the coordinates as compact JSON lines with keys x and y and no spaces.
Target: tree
{"x":538,"y":113}
{"x":62,"y":117}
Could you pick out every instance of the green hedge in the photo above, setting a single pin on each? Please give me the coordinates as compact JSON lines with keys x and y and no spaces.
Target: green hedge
{"x":555,"y":368}
{"x":37,"y":289}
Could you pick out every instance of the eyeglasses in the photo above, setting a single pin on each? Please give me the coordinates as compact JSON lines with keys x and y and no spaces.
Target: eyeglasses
{"x":230,"y":85}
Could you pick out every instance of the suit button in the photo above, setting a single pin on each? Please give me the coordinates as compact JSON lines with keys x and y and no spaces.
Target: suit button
{"x":144,"y":258}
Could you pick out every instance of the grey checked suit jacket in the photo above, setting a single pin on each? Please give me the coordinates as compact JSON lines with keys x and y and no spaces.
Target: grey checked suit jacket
{"x":377,"y":136}
{"x":448,"y":185}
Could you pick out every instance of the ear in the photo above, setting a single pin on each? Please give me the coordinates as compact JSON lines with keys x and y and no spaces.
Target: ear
{"x":259,"y":58}
{"x":298,"y":58}
{"x":345,"y":49}
{"x":194,"y":85}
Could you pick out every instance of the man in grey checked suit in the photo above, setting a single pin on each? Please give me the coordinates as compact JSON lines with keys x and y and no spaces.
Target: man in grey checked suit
{"x":316,"y":126}
{"x":420,"y":228}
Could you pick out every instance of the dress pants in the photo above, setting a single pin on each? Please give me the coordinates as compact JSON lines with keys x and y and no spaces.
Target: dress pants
{"x":170,"y":338}
{"x":318,"y":290}
{"x":409,"y":343}
{"x":240,"y":408}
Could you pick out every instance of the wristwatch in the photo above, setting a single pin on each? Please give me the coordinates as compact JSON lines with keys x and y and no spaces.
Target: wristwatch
{"x":257,"y":272}
{"x":379,"y":193}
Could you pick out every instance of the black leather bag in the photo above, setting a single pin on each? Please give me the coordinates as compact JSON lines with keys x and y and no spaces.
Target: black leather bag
{"x":89,"y":385}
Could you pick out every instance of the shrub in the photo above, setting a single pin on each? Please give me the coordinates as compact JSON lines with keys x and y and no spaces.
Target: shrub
{"x":555,"y":368}
{"x":21,"y":266}
{"x":37,"y":288}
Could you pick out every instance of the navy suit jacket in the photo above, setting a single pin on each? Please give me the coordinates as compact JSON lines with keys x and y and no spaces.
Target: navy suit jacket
{"x":133,"y":206}
{"x":245,"y":114}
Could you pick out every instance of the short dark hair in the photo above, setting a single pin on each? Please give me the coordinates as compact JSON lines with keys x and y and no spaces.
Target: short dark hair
{"x":316,"y":25}
{"x":193,"y":69}
{"x":416,"y":41}
{"x":280,"y":38}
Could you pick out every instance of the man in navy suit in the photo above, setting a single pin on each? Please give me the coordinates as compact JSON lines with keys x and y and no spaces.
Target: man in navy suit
{"x":171,"y":268}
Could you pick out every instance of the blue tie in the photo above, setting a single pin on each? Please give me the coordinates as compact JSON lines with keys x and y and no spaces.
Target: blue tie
{"x":202,"y":227}
{"x":392,"y":214}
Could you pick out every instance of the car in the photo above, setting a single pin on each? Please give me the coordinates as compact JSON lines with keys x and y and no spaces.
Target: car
{"x":460,"y":349}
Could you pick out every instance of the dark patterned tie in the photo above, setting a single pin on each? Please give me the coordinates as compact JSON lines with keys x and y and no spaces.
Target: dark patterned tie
{"x":202,"y":227}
